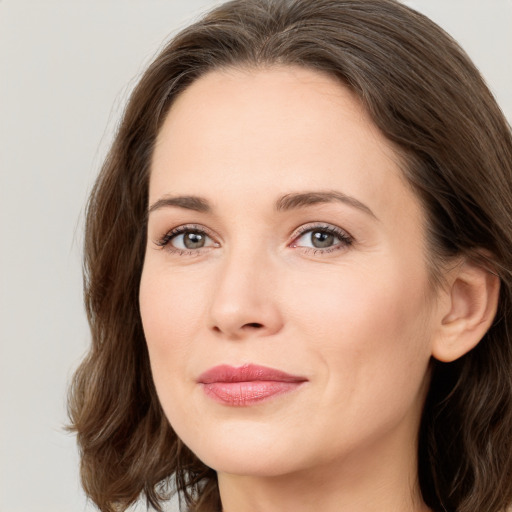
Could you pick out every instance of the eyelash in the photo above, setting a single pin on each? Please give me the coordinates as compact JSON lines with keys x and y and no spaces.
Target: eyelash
{"x":164,"y":242}
{"x":345,"y":240}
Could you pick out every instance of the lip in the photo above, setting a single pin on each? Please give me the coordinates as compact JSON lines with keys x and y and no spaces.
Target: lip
{"x":248,"y":384}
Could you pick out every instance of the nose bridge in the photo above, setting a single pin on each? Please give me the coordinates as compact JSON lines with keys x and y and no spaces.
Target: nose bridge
{"x":242,"y":301}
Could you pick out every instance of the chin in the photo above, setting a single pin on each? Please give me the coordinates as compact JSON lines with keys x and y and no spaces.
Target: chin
{"x":248,"y":452}
{"x":253,"y":463}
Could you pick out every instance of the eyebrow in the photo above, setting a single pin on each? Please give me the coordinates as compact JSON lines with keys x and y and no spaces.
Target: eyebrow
{"x":300,"y":200}
{"x":195,"y":203}
{"x":285,"y":203}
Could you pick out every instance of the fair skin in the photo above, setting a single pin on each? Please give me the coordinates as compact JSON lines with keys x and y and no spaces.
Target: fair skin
{"x":336,"y":291}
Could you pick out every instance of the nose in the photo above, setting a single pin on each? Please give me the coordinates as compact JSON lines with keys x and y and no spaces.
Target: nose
{"x":244,"y":303}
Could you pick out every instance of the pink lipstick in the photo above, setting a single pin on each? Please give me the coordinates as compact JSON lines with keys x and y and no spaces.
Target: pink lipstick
{"x":247,"y":385}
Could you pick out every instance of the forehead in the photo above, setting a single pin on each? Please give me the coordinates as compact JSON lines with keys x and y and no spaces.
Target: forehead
{"x":252,"y":134}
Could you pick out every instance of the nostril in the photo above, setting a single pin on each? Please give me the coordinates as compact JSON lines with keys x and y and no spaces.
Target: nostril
{"x":254,"y":324}
{"x":245,"y":327}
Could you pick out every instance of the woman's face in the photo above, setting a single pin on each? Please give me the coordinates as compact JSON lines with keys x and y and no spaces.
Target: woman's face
{"x":282,"y":235}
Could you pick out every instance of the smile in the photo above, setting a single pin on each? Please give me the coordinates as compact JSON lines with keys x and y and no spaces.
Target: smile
{"x":247,"y":385}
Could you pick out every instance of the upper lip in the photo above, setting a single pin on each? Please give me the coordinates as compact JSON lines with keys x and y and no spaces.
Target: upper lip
{"x":246,"y":373}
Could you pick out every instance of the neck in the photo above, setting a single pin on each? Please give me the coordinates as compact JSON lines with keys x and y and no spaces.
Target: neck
{"x":380,"y":478}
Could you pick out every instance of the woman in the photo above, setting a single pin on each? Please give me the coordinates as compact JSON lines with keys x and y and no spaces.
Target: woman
{"x":298,"y":272}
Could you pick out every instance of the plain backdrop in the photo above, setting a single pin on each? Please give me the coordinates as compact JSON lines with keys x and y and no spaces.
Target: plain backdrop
{"x":66,"y":69}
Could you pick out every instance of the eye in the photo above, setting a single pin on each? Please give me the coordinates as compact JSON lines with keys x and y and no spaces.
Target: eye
{"x":190,"y":240}
{"x":186,"y":239}
{"x":322,"y":238}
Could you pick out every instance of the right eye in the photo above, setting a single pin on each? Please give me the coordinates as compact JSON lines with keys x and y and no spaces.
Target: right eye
{"x":186,"y":240}
{"x":190,"y":240}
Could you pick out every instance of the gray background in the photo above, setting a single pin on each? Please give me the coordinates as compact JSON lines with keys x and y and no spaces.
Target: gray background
{"x":66,"y":68}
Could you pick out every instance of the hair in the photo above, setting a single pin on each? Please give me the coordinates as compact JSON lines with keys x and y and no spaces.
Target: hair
{"x":429,"y":100}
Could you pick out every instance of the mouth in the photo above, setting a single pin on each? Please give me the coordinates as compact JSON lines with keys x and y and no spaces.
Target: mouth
{"x":247,"y":385}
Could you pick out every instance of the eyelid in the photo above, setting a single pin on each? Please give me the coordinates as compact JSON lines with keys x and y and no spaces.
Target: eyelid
{"x":164,"y":241}
{"x":342,"y":233}
{"x":345,"y":239}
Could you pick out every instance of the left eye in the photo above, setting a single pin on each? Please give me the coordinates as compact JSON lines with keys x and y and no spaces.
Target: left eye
{"x":321,"y":238}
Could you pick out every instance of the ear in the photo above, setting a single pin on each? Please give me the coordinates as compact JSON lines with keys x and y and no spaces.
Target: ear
{"x":468,"y":312}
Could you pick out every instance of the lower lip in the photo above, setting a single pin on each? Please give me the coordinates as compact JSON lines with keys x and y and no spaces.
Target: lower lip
{"x":243,"y":394}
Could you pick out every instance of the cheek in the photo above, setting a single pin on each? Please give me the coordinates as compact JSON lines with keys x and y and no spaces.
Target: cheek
{"x":171,"y":310}
{"x":172,"y":306}
{"x":342,"y":313}
{"x":368,"y":334}
{"x":367,"y":302}
{"x":370,"y":328}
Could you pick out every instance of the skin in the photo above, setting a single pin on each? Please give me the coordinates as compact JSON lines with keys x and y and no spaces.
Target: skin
{"x":358,"y":320}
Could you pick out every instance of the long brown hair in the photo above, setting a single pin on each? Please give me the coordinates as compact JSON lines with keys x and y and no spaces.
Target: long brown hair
{"x":426,"y":97}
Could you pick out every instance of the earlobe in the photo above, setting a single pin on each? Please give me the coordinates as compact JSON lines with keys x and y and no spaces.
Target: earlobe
{"x":472,"y":302}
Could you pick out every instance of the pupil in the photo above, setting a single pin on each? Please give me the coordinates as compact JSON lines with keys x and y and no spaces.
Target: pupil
{"x":193,"y":240}
{"x":321,"y":239}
